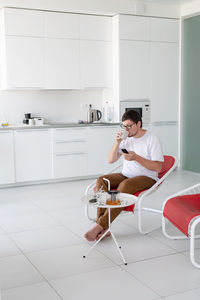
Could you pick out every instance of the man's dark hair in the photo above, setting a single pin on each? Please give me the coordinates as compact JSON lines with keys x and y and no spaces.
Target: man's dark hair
{"x":133,"y":116}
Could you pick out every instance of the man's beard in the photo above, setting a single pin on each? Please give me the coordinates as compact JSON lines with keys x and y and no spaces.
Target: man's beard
{"x":132,"y":135}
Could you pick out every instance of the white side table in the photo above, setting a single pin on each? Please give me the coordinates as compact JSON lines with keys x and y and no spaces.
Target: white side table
{"x":125,"y":200}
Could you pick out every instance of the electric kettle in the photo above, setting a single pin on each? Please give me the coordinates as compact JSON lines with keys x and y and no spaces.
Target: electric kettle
{"x":94,"y":115}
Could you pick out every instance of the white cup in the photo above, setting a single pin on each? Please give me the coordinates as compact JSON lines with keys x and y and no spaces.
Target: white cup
{"x":124,"y":134}
{"x":31,"y":122}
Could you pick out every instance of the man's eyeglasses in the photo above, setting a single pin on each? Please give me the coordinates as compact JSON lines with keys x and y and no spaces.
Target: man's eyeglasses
{"x":128,"y":126}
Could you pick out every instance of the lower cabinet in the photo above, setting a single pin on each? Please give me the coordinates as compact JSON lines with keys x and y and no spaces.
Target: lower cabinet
{"x":82,"y":151}
{"x":29,"y":155}
{"x":33,"y":154}
{"x":7,"y":174}
{"x":100,"y":141}
{"x":69,"y":152}
{"x":70,"y":165}
{"x":168,"y":135}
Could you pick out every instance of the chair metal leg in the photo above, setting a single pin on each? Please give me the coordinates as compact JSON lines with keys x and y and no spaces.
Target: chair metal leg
{"x":87,"y":213}
{"x":192,"y":243}
{"x":140,"y":227}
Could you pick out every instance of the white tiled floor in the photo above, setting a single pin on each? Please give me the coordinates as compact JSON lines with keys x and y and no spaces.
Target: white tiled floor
{"x":41,"y":248}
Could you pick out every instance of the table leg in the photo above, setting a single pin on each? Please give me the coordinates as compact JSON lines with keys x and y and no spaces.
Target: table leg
{"x":118,"y":247}
{"x":109,"y":229}
{"x":90,"y":249}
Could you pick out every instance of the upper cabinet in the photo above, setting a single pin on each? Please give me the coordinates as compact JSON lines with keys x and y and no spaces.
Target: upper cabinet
{"x":147,"y":56}
{"x":164,"y":30}
{"x":22,"y":49}
{"x":62,"y":67}
{"x":23,"y":22}
{"x":133,"y":28}
{"x":24,"y":62}
{"x":53,"y":50}
{"x":134,"y":69}
{"x":95,"y":28}
{"x":61,"y":25}
{"x":96,"y":51}
{"x":62,"y":51}
{"x":96,"y":63}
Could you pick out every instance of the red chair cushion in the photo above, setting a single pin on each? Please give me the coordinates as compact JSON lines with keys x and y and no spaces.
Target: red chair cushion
{"x":167,"y":165}
{"x":181,"y":210}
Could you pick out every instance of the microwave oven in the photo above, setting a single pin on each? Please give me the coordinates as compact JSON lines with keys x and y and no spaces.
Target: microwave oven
{"x":142,"y":106}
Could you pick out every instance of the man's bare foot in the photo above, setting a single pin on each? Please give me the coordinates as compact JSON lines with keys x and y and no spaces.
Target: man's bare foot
{"x":101,"y":233}
{"x":92,"y":234}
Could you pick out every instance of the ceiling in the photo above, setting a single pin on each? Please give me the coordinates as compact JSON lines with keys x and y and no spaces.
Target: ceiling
{"x":170,"y":2}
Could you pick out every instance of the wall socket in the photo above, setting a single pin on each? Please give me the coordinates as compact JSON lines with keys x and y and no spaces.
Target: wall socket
{"x":83,"y":105}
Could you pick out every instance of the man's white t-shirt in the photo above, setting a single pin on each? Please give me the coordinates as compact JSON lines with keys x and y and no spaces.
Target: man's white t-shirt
{"x":147,"y":146}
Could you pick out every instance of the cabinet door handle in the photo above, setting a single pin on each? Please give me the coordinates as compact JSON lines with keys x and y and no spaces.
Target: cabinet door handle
{"x":70,"y":128}
{"x":70,"y":153}
{"x":27,"y":87}
{"x":28,"y":130}
{"x":69,"y":141}
{"x":100,"y":127}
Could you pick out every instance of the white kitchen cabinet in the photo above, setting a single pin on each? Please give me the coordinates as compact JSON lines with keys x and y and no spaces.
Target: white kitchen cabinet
{"x":67,"y":165}
{"x":95,"y":28}
{"x":62,"y":65}
{"x":33,"y":154}
{"x":24,"y":65}
{"x":41,"y":50}
{"x":133,"y":27}
{"x":96,"y":51}
{"x":134,"y":69}
{"x":164,"y":30}
{"x":147,"y":52}
{"x":100,"y":141}
{"x":61,"y":25}
{"x":168,"y":135}
{"x":96,"y":63}
{"x":164,"y":66}
{"x":23,"y":22}
{"x":69,"y":152}
{"x":7,"y":174}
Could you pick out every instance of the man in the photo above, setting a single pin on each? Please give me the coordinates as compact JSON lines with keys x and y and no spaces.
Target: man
{"x":140,"y":167}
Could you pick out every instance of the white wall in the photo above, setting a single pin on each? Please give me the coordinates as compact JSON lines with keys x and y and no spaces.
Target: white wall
{"x":61,"y":106}
{"x":109,"y":7}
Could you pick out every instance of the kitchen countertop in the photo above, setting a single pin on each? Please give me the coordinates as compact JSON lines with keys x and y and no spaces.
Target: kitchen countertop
{"x":56,"y":125}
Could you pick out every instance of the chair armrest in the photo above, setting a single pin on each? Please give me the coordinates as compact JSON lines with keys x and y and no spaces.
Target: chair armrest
{"x":158,"y":183}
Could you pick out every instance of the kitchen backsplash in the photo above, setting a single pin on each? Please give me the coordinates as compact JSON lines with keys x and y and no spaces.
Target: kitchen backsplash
{"x":58,"y":106}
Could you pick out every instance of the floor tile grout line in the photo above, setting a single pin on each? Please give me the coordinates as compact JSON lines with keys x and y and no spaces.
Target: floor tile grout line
{"x":35,"y":229}
{"x":183,"y":292}
{"x":45,"y":279}
{"x":141,"y":260}
{"x":143,"y":283}
{"x":46,"y":249}
{"x":28,"y":284}
{"x":173,"y":248}
{"x":20,"y":250}
{"x":80,"y":273}
{"x":23,"y":254}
